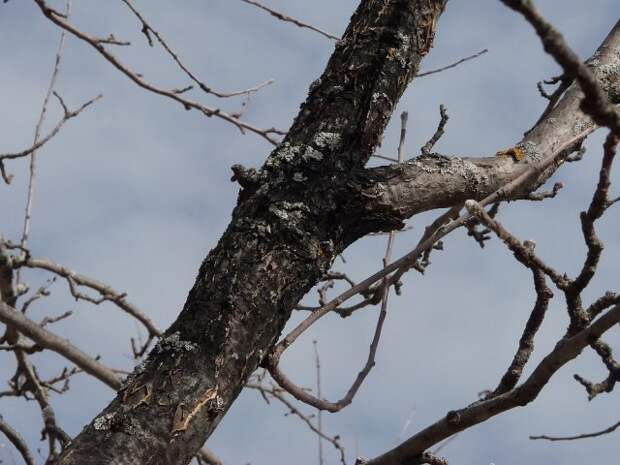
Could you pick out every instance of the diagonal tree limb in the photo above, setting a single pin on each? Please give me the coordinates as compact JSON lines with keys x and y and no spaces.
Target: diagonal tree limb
{"x":107,"y":292}
{"x":17,"y":440}
{"x":292,"y":219}
{"x":280,"y":242}
{"x":567,"y":349}
{"x":49,"y":340}
{"x":596,"y":103}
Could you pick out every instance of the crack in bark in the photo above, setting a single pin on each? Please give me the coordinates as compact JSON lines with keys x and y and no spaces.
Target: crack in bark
{"x":316,"y":199}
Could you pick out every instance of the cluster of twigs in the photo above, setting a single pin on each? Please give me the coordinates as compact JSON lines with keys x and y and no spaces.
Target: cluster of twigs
{"x":584,"y":328}
{"x":24,"y":337}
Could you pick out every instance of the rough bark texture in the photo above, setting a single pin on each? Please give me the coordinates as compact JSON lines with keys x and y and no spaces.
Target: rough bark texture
{"x":285,"y":231}
{"x":311,"y":199}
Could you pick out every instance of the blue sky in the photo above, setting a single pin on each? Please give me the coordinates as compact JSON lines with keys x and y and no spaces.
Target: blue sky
{"x":136,"y":191}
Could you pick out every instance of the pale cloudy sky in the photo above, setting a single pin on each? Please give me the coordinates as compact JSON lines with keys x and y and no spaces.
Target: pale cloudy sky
{"x":136,"y":191}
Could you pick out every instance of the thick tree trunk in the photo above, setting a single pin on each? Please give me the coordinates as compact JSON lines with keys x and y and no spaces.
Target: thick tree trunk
{"x":312,"y":198}
{"x":291,"y":221}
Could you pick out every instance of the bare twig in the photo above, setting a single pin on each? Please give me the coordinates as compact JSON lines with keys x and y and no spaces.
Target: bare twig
{"x":453,"y":65}
{"x":17,"y":440}
{"x":107,"y":293}
{"x":384,"y":157}
{"x":37,"y":133}
{"x":42,"y":291}
{"x":51,"y":430}
{"x":595,"y":103}
{"x":603,"y":432}
{"x":147,"y":30}
{"x":426,"y":148}
{"x":174,"y":94}
{"x":49,"y":319}
{"x":523,"y":251}
{"x":553,"y":98}
{"x":67,"y":116}
{"x":317,"y":362}
{"x":539,"y":196}
{"x":526,"y":344}
{"x":50,"y":341}
{"x":279,"y":394}
{"x":286,"y":18}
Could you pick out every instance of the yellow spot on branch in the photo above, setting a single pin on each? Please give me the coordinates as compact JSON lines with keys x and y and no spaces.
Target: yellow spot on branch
{"x":514,"y":152}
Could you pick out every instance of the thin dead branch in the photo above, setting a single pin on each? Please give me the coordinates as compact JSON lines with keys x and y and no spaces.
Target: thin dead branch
{"x":66,"y":117}
{"x":596,"y":434}
{"x":453,"y":65}
{"x":149,"y":31}
{"x":289,"y":19}
{"x":174,"y":94}
{"x":50,"y":341}
{"x":17,"y":440}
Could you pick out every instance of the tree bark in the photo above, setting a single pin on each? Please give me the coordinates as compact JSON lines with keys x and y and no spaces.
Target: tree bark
{"x":290,"y":222}
{"x":310,"y":200}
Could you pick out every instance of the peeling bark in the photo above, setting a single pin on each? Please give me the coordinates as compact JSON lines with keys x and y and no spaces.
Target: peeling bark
{"x":311,"y":199}
{"x":283,"y":236}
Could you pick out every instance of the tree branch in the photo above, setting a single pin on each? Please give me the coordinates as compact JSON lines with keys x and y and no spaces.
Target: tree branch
{"x":286,"y":18}
{"x":107,"y":292}
{"x":566,"y":350}
{"x":17,"y":440}
{"x":596,"y":104}
{"x":48,"y":340}
{"x":280,"y":242}
{"x":174,"y":94}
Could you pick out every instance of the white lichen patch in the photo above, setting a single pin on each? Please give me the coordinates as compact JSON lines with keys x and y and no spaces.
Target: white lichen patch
{"x":610,"y":69}
{"x":328,"y":140}
{"x":583,"y":125}
{"x":401,"y":53}
{"x":286,"y":153}
{"x":217,"y":404}
{"x":104,"y":422}
{"x":299,"y":177}
{"x":378,"y":96}
{"x":404,"y":39}
{"x":531,"y":152}
{"x":174,"y":343}
{"x":316,"y":83}
{"x":289,"y":211}
{"x":279,"y":212}
{"x":425,"y":167}
{"x":312,"y":154}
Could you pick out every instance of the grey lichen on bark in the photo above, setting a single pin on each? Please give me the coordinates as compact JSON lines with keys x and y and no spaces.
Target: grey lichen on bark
{"x":311,"y":199}
{"x":285,"y":232}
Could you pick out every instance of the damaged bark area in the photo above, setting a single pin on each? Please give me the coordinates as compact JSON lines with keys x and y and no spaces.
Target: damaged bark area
{"x":311,"y":199}
{"x":284,"y":234}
